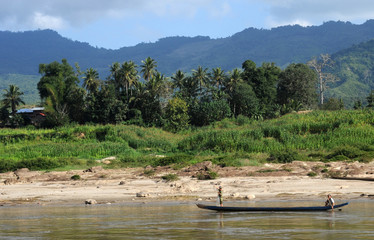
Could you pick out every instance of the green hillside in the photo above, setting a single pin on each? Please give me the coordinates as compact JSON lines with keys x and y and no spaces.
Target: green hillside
{"x":26,"y":83}
{"x":355,"y":68}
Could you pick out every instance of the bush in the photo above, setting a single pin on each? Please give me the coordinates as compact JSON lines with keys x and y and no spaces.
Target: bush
{"x":344,"y":153}
{"x":227,"y":161}
{"x":40,"y":164}
{"x":75,"y":177}
{"x":170,"y":177}
{"x":242,"y":120}
{"x":149,"y":172}
{"x":312,"y":174}
{"x":7,"y":165}
{"x":178,"y":158}
{"x":207,"y":176}
{"x":286,"y":156}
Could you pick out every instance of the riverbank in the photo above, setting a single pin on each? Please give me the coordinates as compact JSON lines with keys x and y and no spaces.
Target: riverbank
{"x":270,"y":181}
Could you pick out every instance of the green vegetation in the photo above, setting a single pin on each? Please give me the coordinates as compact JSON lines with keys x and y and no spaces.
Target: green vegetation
{"x":315,"y":136}
{"x":312,"y":174}
{"x":27,"y":84}
{"x":170,"y":177}
{"x":282,"y":45}
{"x":76,"y":177}
{"x":207,"y":176}
{"x":354,"y":67}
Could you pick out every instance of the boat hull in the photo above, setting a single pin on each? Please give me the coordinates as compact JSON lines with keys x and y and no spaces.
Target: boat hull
{"x":269,"y":209}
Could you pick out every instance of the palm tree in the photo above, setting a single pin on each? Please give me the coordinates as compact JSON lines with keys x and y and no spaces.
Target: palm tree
{"x":200,"y":76}
{"x":218,"y":76}
{"x":148,"y":68}
{"x":91,"y":80}
{"x":178,"y":79}
{"x":235,"y":77}
{"x":114,"y":74}
{"x":12,"y":98}
{"x":128,"y":76}
{"x":156,"y":85}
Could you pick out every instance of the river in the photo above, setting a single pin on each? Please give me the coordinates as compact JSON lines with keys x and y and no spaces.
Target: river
{"x":172,"y":220}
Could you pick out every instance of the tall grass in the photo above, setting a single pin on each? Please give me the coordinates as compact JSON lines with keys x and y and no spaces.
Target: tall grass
{"x":318,"y":133}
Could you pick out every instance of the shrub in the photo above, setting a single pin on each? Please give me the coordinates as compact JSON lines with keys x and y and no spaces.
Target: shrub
{"x":242,"y":120}
{"x":39,"y":164}
{"x":286,"y":156}
{"x":75,"y":177}
{"x":207,"y":176}
{"x":178,"y":158}
{"x":344,"y":152}
{"x":7,"y":165}
{"x":312,"y":174}
{"x":170,"y":177}
{"x":149,"y":172}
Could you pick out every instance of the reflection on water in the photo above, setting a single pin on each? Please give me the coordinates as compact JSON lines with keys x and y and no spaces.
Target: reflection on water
{"x":184,"y":221}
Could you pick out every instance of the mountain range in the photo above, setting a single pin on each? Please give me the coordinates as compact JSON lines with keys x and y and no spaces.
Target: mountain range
{"x":22,"y":52}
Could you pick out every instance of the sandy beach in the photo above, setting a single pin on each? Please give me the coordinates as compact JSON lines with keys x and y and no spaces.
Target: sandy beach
{"x":252,"y":183}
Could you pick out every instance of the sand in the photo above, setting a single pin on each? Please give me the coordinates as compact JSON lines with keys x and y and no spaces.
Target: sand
{"x":271,"y":182}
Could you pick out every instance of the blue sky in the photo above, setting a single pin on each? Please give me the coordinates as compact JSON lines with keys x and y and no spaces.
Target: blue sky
{"x":119,"y":23}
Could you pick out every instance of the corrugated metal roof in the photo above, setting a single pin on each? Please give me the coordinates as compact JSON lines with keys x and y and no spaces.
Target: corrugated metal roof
{"x":30,"y":110}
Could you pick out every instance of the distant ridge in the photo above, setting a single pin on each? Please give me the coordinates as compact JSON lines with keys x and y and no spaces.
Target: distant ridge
{"x":22,"y":52}
{"x":351,"y":46}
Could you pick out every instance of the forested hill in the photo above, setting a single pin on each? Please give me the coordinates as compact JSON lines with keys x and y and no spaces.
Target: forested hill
{"x":22,"y":52}
{"x":355,"y":69}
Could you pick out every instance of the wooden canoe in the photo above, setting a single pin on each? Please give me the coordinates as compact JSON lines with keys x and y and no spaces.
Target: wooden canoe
{"x":269,"y":209}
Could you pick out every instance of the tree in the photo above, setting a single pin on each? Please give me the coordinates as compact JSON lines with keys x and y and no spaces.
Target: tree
{"x":244,"y":101}
{"x":264,"y":83}
{"x":357,"y":105}
{"x":59,"y":90}
{"x":234,"y":78}
{"x":12,"y":98}
{"x":333,"y":104}
{"x":370,"y":100}
{"x":176,"y":115}
{"x":4,"y":116}
{"x":91,"y":80}
{"x":128,"y":75}
{"x":297,"y":85}
{"x":115,"y":75}
{"x":201,"y":77}
{"x":178,"y":79}
{"x":148,"y":68}
{"x":320,"y":66}
{"x":104,"y":107}
{"x":218,"y":77}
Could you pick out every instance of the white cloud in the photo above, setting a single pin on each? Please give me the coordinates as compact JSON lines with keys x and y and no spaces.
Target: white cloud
{"x":28,"y":13}
{"x":308,"y":12}
{"x":44,"y":21}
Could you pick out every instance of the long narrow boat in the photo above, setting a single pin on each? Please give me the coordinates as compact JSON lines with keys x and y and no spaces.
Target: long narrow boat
{"x":270,"y":209}
{"x":354,"y":178}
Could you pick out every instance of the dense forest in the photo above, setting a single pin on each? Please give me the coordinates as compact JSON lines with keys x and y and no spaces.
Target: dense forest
{"x":143,"y":96}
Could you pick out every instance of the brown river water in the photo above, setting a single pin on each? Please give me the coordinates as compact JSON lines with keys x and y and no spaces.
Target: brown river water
{"x":172,"y":220}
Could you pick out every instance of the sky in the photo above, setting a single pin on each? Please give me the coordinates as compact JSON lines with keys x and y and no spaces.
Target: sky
{"x":113,"y":24}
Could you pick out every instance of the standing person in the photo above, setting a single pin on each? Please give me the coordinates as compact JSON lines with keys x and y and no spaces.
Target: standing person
{"x":330,"y":201}
{"x":220,"y":196}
